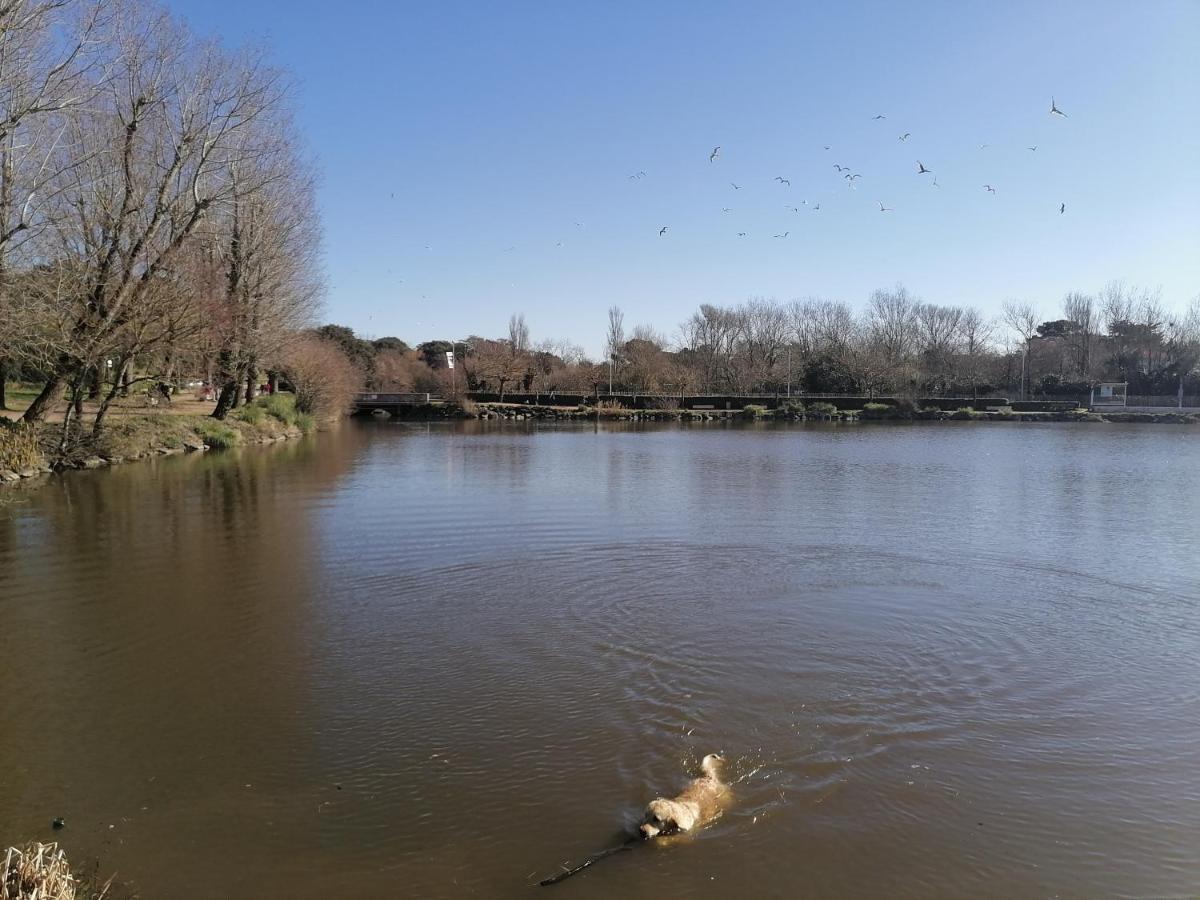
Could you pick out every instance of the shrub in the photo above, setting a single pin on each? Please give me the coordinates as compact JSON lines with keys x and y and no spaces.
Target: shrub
{"x":791,"y":408}
{"x":306,"y":422}
{"x":876,"y":411}
{"x":19,"y":448}
{"x":219,"y":435}
{"x":753,"y":410}
{"x":324,"y":377}
{"x":963,"y":413}
{"x":823,"y":410}
{"x":667,"y":404}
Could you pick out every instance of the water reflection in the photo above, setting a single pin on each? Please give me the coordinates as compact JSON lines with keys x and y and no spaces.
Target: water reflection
{"x":384,"y":662}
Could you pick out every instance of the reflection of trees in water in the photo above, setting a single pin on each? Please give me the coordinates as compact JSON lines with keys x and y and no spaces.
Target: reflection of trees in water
{"x":158,"y":620}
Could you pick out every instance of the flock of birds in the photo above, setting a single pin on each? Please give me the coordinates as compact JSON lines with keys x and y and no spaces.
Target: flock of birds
{"x":850,"y":177}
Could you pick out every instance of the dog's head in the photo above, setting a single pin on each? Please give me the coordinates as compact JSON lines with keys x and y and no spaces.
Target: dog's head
{"x":709,"y":764}
{"x":666,"y":817}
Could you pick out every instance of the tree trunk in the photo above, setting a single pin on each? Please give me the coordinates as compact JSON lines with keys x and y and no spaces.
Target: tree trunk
{"x":225,"y":402}
{"x":51,"y":393}
{"x":250,"y":383}
{"x":3,"y":383}
{"x":273,"y":382}
{"x":125,"y":379}
{"x":118,"y":381}
{"x":95,"y":381}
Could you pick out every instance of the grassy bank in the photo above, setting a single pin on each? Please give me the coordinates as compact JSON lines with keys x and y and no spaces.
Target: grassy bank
{"x":26,"y":451}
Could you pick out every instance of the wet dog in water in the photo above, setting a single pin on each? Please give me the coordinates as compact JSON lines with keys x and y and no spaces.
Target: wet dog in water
{"x":698,"y":804}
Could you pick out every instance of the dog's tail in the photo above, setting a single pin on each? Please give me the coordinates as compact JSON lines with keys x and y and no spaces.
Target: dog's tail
{"x":709,"y":764}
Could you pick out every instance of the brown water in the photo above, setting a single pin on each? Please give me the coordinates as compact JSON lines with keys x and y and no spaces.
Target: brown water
{"x":437,"y":661}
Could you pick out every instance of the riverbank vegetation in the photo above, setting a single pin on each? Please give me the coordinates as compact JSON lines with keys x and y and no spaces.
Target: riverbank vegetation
{"x":895,"y":345}
{"x":158,"y":226}
{"x":27,"y":448}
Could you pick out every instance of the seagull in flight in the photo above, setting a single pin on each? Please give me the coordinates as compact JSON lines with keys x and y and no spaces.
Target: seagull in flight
{"x":726,"y":209}
{"x":906,"y":136}
{"x":989,"y":189}
{"x":883,"y":208}
{"x":851,"y":178}
{"x":785,"y":234}
{"x":741,"y":234}
{"x":783,"y":180}
{"x":935,"y":184}
{"x":794,"y":209}
{"x":826,"y":146}
{"x":735,"y":187}
{"x":817,"y":208}
{"x":662,"y":231}
{"x":1062,"y":208}
{"x":839,"y":168}
{"x":1033,"y":148}
{"x":1054,"y":110}
{"x":716,"y":151}
{"x":878,"y":117}
{"x":921,"y":170}
{"x":984,"y":146}
{"x":637,"y":176}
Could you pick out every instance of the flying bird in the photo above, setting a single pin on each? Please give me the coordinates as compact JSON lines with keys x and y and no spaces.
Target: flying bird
{"x":851,"y":178}
{"x":984,"y":146}
{"x":826,"y":146}
{"x":662,"y":231}
{"x":735,"y":187}
{"x":794,"y":209}
{"x":741,"y":234}
{"x":785,"y":234}
{"x":1062,"y":208}
{"x":935,"y":184}
{"x":783,"y":180}
{"x":716,"y":151}
{"x":883,"y":208}
{"x":989,"y":189}
{"x":839,"y":168}
{"x":578,"y":224}
{"x":726,"y":209}
{"x":906,"y":136}
{"x":1055,"y":111}
{"x":921,"y":170}
{"x":879,"y":117}
{"x":817,"y":208}
{"x":637,"y":176}
{"x":1033,"y":148}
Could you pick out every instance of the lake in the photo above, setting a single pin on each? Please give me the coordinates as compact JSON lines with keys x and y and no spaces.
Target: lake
{"x":444,"y":660}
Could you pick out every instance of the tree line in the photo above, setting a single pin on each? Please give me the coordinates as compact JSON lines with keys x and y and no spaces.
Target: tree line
{"x":157,"y":212}
{"x":895,"y":344}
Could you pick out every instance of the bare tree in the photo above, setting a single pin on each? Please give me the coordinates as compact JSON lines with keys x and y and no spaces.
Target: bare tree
{"x":1022,"y":320}
{"x":47,"y":63}
{"x":614,"y":340}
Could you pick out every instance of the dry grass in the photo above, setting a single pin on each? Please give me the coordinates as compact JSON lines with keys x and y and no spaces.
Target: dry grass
{"x":19,"y":447}
{"x":41,"y":872}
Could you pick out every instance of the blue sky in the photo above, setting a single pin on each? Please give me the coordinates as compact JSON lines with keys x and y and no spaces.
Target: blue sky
{"x":460,"y":143}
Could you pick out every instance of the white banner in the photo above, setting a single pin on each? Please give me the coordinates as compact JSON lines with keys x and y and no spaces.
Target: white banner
{"x":449,"y":359}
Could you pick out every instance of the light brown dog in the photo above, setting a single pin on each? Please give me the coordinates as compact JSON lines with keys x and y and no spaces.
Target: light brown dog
{"x":698,"y":804}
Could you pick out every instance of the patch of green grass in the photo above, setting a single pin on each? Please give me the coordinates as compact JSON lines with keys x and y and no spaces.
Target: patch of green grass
{"x":217,"y":434}
{"x":753,"y":410}
{"x":306,"y":422}
{"x":279,"y":406}
{"x":251,"y":414}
